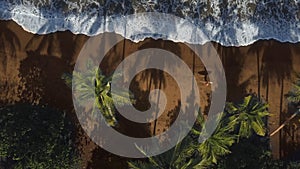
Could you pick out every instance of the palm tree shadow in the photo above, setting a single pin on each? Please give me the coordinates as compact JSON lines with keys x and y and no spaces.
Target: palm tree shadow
{"x":257,"y":49}
{"x":115,"y":55}
{"x":156,"y":77}
{"x":60,"y":44}
{"x":9,"y":46}
{"x":9,"y":43}
{"x":233,"y":62}
{"x":41,"y":81}
{"x":276,"y":64}
{"x":172,"y":114}
{"x":101,"y":157}
{"x":277,"y":68}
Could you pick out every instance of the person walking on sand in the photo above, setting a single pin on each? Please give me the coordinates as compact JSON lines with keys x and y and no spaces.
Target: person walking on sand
{"x":205,"y":73}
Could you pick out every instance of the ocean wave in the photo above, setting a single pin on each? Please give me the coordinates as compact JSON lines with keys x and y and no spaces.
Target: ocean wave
{"x":230,"y":23}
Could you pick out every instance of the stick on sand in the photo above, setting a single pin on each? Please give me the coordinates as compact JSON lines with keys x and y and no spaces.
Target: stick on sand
{"x":285,"y":123}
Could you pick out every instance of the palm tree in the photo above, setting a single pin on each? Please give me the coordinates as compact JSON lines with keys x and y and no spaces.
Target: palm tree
{"x":248,"y":116}
{"x":293,"y":97}
{"x":83,"y":83}
{"x":217,"y":145}
{"x":190,"y":153}
{"x":184,"y":155}
{"x":237,"y":121}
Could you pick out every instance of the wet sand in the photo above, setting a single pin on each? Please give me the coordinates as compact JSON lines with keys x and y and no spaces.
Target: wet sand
{"x":31,"y":67}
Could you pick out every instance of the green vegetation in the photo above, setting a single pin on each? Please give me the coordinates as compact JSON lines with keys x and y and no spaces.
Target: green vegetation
{"x":36,"y":137}
{"x":253,"y":153}
{"x":40,"y":137}
{"x":248,"y":116}
{"x":93,"y":83}
{"x":238,"y":122}
{"x":181,"y":156}
{"x":293,"y":96}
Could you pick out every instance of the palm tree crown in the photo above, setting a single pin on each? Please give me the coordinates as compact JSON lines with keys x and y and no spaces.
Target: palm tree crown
{"x":93,"y":83}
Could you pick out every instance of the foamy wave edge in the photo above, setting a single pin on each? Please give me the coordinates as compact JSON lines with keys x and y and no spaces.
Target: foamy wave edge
{"x":232,"y":34}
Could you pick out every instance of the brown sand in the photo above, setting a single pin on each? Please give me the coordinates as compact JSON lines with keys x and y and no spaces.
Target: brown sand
{"x":31,"y":67}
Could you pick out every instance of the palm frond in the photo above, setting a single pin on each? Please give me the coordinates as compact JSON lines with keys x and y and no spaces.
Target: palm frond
{"x":238,"y":120}
{"x":92,"y":83}
{"x":218,"y":144}
{"x":248,"y":116}
{"x":293,"y":96}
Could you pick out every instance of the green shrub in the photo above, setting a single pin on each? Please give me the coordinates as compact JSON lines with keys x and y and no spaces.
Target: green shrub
{"x":36,"y":137}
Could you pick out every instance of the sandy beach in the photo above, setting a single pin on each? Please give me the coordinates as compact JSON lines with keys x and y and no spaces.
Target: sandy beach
{"x":31,"y":67}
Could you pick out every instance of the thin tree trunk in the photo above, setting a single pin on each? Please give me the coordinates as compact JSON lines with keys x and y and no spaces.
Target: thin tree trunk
{"x":280,"y":115}
{"x":150,"y":81}
{"x":123,"y":53}
{"x":194,"y":64}
{"x":267,"y":89}
{"x":157,"y":107}
{"x":258,"y":74}
{"x":158,"y":97}
{"x":285,"y":123}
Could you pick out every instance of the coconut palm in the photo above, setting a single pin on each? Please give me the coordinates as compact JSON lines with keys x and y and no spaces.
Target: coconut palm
{"x":93,"y":83}
{"x":293,"y":97}
{"x":238,"y":121}
{"x":189,"y":153}
{"x":184,"y":155}
{"x":248,"y":116}
{"x":217,"y":145}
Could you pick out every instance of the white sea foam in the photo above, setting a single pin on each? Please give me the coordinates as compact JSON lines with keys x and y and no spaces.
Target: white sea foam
{"x":229,"y":23}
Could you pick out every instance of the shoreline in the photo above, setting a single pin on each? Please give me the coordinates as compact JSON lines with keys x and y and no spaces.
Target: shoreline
{"x":154,"y":37}
{"x":238,"y":30}
{"x":31,"y":67}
